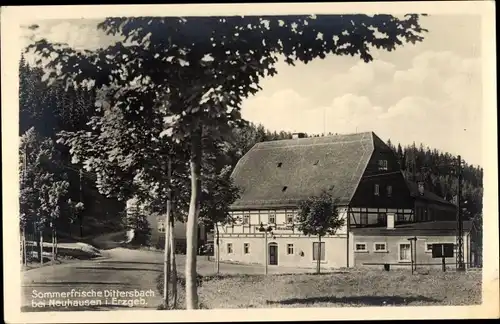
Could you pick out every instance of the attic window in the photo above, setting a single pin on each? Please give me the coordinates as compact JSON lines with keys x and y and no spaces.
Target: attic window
{"x":382,"y":165}
{"x":284,"y":188}
{"x":316,"y":163}
{"x":280,"y":164}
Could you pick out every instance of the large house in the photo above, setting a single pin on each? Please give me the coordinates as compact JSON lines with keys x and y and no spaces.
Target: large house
{"x":381,"y":208}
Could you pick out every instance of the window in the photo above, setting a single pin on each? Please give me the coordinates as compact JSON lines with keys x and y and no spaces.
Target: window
{"x":161,"y":227}
{"x":363,"y":218}
{"x":272,"y":219}
{"x":376,"y":190}
{"x":289,"y":249}
{"x":380,"y":247}
{"x":382,"y":219}
{"x":389,"y":191}
{"x":229,"y":248}
{"x":284,"y":188}
{"x":246,"y":219}
{"x":400,"y":217}
{"x":404,"y":252}
{"x":280,"y":164}
{"x":289,"y":219}
{"x":428,"y":246}
{"x":361,"y":247}
{"x":315,"y":251}
{"x":246,"y":248}
{"x":382,"y":165}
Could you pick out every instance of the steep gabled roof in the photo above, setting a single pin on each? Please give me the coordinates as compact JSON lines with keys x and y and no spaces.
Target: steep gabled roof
{"x":279,"y":174}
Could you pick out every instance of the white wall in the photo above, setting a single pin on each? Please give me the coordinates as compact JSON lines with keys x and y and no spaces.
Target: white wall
{"x":335,"y":251}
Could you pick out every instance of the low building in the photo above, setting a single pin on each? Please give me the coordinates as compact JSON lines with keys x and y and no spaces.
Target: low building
{"x":374,"y":246}
{"x":157,"y":225}
{"x":367,"y":183}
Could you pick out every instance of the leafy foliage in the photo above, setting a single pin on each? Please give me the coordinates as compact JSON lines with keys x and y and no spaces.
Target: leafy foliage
{"x":318,"y":215}
{"x":203,"y":74}
{"x":49,"y":109}
{"x":142,"y":229}
{"x":201,"y":68}
{"x":44,"y":187}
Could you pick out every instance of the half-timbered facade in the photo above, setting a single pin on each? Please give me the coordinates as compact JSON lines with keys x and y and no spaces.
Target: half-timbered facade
{"x":275,"y":176}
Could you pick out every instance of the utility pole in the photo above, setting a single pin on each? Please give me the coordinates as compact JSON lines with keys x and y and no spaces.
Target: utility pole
{"x":265,"y":230}
{"x":81,"y":201}
{"x":265,"y":247}
{"x":23,"y":238}
{"x":217,"y":251}
{"x":460,"y":231}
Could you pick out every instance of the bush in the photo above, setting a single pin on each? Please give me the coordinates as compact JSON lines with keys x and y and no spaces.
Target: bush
{"x":142,"y":230}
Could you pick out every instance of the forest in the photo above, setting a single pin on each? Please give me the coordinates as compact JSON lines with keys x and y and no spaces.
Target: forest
{"x":48,"y":110}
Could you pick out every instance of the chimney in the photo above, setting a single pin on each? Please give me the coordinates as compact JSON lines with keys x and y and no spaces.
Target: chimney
{"x":298,"y":135}
{"x":390,"y":221}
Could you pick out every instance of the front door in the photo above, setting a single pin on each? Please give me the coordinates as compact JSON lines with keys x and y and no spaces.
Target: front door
{"x":273,"y":254}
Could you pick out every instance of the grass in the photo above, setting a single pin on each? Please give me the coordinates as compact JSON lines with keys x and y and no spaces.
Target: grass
{"x":352,"y":288}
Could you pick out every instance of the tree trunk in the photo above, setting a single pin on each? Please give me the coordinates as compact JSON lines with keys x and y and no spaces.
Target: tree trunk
{"x":55,"y":242}
{"x":318,"y":257}
{"x":23,"y":248}
{"x":53,"y":246}
{"x":41,"y":247}
{"x":173,"y":266}
{"x":166,"y":256}
{"x":217,"y":260}
{"x":192,"y":222}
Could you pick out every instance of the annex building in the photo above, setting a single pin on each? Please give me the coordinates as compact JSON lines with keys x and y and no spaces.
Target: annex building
{"x":382,"y":209}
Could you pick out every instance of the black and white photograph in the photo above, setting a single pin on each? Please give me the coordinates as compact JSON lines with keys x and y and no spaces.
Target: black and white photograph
{"x":163,"y":161}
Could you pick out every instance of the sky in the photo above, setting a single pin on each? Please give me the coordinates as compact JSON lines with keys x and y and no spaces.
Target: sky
{"x":428,"y":93}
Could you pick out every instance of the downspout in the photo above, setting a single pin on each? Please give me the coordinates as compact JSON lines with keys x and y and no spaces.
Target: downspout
{"x":348,"y":227}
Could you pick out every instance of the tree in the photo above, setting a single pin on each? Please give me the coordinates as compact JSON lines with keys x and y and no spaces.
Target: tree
{"x":44,"y":198}
{"x":390,"y":145}
{"x":203,"y":74}
{"x":318,"y":215}
{"x":138,"y":222}
{"x":50,"y":109}
{"x":130,"y":158}
{"x":401,"y":158}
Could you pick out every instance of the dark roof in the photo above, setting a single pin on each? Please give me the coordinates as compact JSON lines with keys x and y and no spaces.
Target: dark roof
{"x":428,"y":195}
{"x":279,"y":174}
{"x":423,"y":228}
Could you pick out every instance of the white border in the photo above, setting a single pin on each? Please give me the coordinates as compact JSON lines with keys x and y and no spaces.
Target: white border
{"x":399,"y":251}
{"x":385,"y":250}
{"x":13,"y":16}
{"x":361,"y":251}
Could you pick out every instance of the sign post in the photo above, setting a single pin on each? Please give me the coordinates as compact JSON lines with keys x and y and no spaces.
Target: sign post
{"x":443,"y":251}
{"x":265,"y":230}
{"x":413,"y":247}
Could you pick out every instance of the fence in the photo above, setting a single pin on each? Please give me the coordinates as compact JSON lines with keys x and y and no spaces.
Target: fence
{"x":29,"y":250}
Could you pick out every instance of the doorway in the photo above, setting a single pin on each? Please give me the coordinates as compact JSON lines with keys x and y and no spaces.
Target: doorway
{"x":273,"y":254}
